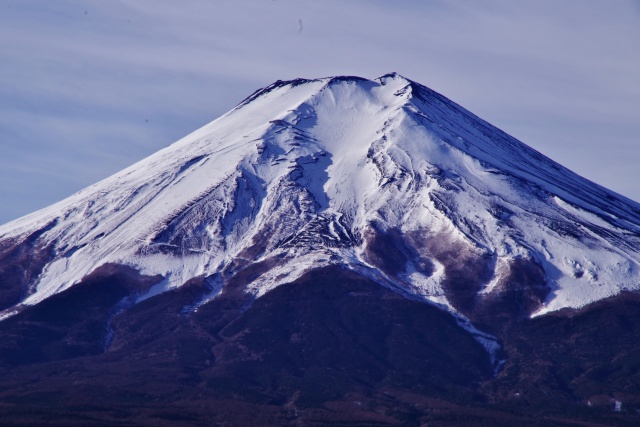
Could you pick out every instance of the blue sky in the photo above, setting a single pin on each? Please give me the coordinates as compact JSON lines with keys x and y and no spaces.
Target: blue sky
{"x":89,"y":87}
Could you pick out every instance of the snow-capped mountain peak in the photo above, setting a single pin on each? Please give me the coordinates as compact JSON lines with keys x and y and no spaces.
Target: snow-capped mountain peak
{"x":384,"y":177}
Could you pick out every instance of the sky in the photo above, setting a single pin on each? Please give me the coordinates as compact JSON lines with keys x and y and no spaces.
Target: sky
{"x":89,"y":87}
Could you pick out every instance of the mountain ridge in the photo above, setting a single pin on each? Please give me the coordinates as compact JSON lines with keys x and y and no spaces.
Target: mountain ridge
{"x":326,"y":243}
{"x":291,"y":152}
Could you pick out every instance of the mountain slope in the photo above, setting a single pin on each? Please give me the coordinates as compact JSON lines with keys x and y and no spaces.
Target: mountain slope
{"x":331,"y":171}
{"x":331,"y":250}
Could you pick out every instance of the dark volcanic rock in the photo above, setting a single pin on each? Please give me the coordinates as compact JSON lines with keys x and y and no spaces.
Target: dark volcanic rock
{"x":21,"y":261}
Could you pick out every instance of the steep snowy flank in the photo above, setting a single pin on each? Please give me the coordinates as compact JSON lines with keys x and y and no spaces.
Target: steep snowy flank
{"x":384,"y":177}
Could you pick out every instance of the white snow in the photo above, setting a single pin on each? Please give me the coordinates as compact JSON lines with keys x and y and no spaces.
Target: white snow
{"x":304,"y":168}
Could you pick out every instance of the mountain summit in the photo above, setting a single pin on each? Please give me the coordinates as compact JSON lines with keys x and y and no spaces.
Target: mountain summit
{"x":334,"y":180}
{"x":383,"y":177}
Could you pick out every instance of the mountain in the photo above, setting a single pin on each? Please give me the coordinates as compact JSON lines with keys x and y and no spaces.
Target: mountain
{"x":331,"y":250}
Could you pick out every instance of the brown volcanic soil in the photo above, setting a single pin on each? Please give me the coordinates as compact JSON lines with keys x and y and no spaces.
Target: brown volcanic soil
{"x":332,"y":348}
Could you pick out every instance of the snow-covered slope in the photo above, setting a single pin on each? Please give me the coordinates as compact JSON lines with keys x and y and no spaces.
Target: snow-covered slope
{"x":384,"y":177}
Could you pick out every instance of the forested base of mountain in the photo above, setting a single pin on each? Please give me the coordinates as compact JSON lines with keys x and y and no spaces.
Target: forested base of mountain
{"x":332,"y":348}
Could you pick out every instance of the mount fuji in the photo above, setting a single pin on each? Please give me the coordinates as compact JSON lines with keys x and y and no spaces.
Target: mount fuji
{"x":330,"y":250}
